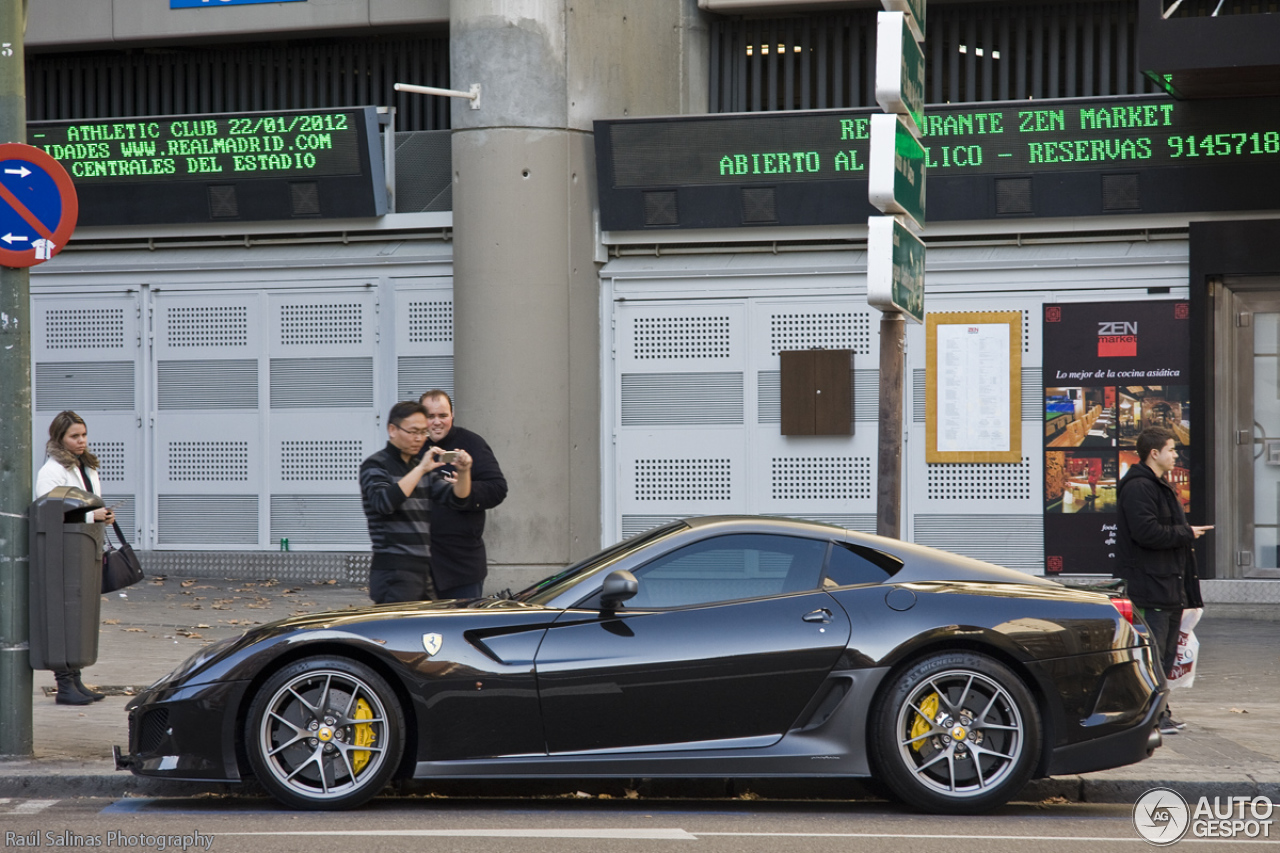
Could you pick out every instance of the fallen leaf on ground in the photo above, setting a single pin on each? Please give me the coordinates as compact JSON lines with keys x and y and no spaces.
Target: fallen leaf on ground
{"x":1239,"y":711}
{"x":110,"y":621}
{"x":188,"y":583}
{"x":136,"y":630}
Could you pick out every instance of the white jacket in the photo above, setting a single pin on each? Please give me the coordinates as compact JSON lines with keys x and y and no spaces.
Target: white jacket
{"x":53,"y":475}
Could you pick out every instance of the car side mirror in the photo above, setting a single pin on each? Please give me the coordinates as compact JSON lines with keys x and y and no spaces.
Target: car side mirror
{"x":618,"y":587}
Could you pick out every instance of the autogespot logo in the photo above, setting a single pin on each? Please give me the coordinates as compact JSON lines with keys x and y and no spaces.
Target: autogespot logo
{"x":1161,"y":816}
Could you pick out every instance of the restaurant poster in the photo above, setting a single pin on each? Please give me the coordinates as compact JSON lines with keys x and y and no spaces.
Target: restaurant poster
{"x":1111,"y":369}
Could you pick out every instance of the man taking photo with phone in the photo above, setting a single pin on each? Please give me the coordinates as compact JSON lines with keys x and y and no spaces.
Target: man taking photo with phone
{"x":459,"y":561}
{"x":399,"y":485}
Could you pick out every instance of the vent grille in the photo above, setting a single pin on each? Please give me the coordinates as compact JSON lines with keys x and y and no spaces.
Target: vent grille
{"x":999,"y":481}
{"x":681,"y":337}
{"x":320,"y":460}
{"x":321,"y":325}
{"x":209,"y":384}
{"x":304,"y":198}
{"x":822,"y":478}
{"x":207,"y":519}
{"x":321,"y":383}
{"x":318,"y":520}
{"x":126,"y":514}
{"x":98,"y":386}
{"x":417,"y":374}
{"x":1013,"y":197}
{"x":670,"y":399}
{"x":207,"y":326}
{"x":759,"y":205}
{"x":861,"y":522}
{"x":1014,"y":541}
{"x":1120,"y":192}
{"x":849,"y":330}
{"x":683,"y":480}
{"x":111,"y":465}
{"x":431,"y":322}
{"x":660,"y":208}
{"x":84,"y":328}
{"x":634,"y":525}
{"x":153,"y":731}
{"x":208,"y":461}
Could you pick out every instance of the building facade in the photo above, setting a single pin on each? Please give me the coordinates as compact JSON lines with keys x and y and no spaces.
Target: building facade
{"x":235,"y":370}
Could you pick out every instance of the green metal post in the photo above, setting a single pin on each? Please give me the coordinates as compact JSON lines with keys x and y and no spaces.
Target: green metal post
{"x":15,"y":424}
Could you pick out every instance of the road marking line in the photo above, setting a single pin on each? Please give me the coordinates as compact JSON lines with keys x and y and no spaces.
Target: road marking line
{"x":26,"y":806}
{"x":888,"y":835}
{"x":634,"y":834}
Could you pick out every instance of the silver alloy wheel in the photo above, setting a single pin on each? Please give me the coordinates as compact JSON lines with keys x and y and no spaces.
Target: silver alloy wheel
{"x":323,"y":734}
{"x":965,"y":741}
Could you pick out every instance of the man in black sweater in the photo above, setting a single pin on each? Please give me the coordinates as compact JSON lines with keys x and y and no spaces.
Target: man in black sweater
{"x":459,"y":563}
{"x":399,"y":485}
{"x":1154,"y":554}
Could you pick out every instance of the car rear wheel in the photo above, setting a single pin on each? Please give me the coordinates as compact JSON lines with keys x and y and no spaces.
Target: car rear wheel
{"x":324,"y":733}
{"x":956,"y":733}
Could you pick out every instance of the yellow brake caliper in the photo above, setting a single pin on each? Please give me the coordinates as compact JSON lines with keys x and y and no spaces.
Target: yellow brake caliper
{"x":922,"y":726}
{"x":364,"y":735}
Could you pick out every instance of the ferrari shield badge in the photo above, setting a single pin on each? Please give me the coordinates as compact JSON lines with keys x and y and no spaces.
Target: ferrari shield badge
{"x":432,"y":643}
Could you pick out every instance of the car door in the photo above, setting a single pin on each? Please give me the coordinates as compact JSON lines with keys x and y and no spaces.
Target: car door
{"x":726,"y":640}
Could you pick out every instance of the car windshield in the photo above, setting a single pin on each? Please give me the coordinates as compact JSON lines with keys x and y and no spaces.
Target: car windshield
{"x":548,"y":588}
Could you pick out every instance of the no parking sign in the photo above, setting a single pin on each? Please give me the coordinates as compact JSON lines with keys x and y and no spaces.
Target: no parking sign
{"x":38,"y":206}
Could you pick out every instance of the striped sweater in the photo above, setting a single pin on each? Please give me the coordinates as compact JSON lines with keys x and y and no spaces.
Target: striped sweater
{"x":398,"y":524}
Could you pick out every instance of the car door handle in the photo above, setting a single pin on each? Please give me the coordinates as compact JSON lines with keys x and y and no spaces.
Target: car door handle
{"x":821,"y":615}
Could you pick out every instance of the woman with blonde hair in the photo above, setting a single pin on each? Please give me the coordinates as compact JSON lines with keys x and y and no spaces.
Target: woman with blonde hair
{"x":70,"y":462}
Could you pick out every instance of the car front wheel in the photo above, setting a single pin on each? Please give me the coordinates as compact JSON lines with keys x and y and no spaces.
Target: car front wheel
{"x":956,"y":733}
{"x":324,"y":733}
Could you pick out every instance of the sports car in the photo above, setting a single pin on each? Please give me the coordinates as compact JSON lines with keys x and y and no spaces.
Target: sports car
{"x":711,"y":647}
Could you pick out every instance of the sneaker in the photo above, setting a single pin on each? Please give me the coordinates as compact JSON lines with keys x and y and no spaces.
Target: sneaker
{"x":1170,"y":726}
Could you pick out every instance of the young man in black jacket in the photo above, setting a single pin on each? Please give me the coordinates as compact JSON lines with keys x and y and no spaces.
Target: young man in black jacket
{"x":1154,"y":548}
{"x":459,"y":562}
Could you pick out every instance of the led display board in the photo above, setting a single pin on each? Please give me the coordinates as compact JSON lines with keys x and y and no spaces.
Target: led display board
{"x":1072,"y":157}
{"x":230,"y":166}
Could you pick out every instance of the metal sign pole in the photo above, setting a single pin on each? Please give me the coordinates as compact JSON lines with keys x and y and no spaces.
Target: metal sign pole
{"x":893,"y":342}
{"x":15,"y":424}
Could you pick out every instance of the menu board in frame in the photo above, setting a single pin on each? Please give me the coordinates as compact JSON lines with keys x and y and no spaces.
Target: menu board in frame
{"x":973,"y":382}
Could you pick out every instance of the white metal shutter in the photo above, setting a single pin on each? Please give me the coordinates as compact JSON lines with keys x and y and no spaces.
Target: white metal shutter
{"x":682,"y":399}
{"x":323,"y":391}
{"x":424,"y":336}
{"x":208,"y":425}
{"x":85,"y":358}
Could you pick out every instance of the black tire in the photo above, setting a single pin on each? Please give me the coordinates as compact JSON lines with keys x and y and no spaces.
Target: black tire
{"x":955,"y":733}
{"x":324,"y":733}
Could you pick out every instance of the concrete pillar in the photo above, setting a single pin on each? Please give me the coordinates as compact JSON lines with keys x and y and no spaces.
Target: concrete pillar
{"x":526,"y":260}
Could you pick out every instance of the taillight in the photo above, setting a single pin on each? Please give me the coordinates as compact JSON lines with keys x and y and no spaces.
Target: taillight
{"x":1125,"y":606}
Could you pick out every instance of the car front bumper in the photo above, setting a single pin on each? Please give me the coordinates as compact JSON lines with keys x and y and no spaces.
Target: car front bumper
{"x":185,"y":733}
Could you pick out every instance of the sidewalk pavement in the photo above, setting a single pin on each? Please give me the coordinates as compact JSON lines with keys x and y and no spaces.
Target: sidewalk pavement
{"x":1227,"y":749}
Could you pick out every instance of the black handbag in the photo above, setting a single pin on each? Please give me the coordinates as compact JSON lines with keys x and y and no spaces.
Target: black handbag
{"x":120,"y":566}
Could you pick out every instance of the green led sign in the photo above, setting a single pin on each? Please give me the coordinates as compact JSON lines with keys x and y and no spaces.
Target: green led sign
{"x":195,"y":148}
{"x":1025,"y":137}
{"x":246,"y":166}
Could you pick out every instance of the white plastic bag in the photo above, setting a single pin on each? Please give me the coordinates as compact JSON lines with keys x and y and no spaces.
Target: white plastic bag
{"x":1184,"y":671}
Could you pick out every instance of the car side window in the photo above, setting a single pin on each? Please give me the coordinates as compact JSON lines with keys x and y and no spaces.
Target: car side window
{"x":849,"y":565}
{"x":726,"y":568}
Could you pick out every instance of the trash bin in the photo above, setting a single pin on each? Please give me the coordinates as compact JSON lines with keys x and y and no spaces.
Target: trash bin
{"x":65,"y":579}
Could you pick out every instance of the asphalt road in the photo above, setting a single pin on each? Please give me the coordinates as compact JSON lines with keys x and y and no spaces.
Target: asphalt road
{"x":231,"y":825}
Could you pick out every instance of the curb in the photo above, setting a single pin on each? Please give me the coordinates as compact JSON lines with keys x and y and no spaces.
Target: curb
{"x":1075,"y":789}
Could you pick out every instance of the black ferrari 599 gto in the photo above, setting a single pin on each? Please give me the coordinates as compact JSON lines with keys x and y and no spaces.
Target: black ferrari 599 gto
{"x":712,"y":647}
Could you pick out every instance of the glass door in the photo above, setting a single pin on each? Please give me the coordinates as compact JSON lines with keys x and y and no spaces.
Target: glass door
{"x":1255,"y":433}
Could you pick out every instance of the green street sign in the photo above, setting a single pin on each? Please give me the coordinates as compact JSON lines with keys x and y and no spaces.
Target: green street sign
{"x":899,"y":70}
{"x":914,"y":10}
{"x":897,"y":169}
{"x":895,"y":268}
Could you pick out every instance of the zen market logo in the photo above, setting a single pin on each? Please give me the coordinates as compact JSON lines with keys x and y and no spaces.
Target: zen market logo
{"x":1118,"y":339}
